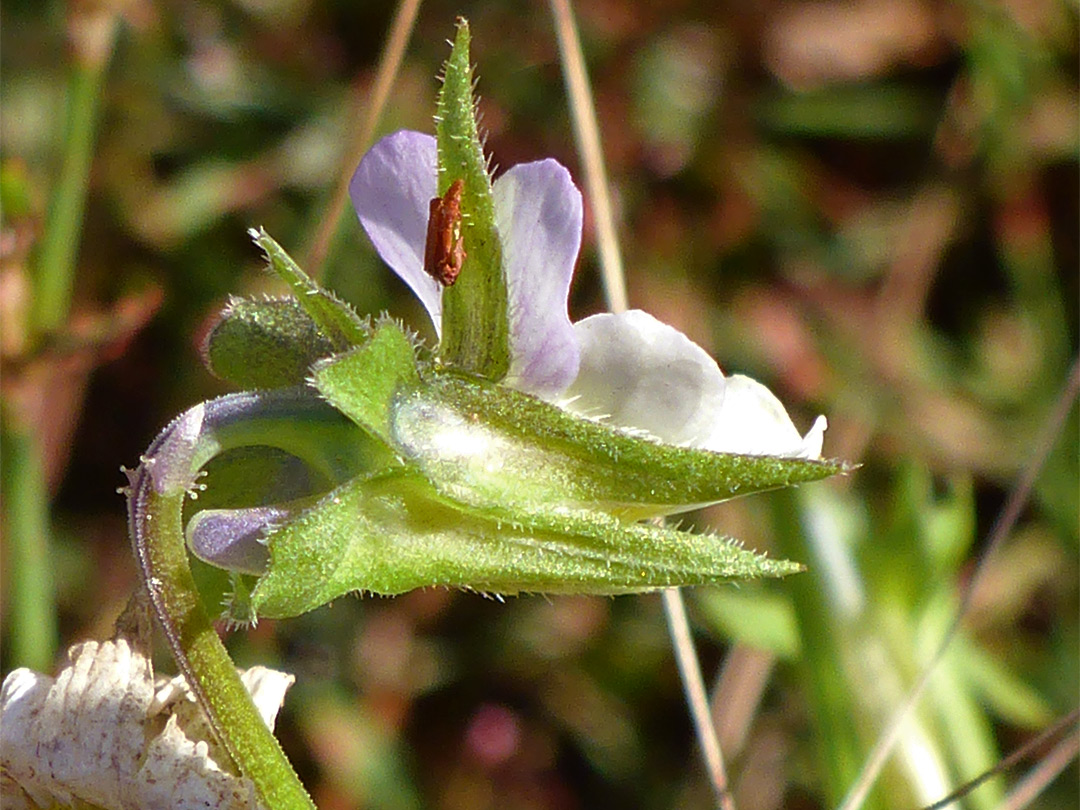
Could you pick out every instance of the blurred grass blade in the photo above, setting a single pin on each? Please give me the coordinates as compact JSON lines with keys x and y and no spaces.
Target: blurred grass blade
{"x":92,"y":33}
{"x":31,"y":606}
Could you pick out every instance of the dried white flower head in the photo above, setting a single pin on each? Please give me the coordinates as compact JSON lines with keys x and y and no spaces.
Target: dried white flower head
{"x":97,"y":734}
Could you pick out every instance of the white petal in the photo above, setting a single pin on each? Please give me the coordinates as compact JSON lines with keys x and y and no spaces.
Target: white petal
{"x":639,"y":373}
{"x":753,"y":421}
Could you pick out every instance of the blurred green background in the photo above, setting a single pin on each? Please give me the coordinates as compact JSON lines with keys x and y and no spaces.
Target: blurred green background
{"x":871,"y":205}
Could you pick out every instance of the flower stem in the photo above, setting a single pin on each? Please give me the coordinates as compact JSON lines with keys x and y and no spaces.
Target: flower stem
{"x":155,"y":506}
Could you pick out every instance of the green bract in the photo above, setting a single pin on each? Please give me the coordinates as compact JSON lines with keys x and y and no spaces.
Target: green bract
{"x":393,"y":532}
{"x":485,"y":446}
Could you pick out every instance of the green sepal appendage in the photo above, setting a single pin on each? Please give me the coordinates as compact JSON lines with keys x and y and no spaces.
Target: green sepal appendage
{"x":484,"y":445}
{"x":393,"y":532}
{"x":475,"y":326}
{"x":337,"y":321}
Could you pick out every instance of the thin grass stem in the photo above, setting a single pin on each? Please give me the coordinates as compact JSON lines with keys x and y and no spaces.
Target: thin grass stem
{"x":587,"y":136}
{"x":613,"y":276}
{"x":698,"y":700}
{"x":1025,"y":751}
{"x":1043,"y":774}
{"x":401,"y":29}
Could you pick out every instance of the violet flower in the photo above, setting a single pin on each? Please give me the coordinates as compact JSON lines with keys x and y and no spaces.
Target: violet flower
{"x":628,"y":369}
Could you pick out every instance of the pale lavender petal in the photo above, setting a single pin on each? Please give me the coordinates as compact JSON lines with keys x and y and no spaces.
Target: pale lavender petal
{"x":639,"y":373}
{"x":538,"y":212}
{"x":391,"y":191}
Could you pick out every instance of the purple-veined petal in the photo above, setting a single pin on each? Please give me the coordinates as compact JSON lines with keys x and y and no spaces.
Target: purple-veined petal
{"x":538,"y":213}
{"x":754,"y":421}
{"x":391,"y":191}
{"x":639,"y":373}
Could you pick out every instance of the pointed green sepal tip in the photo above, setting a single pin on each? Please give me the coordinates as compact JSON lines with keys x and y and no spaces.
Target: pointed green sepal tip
{"x":475,"y":328}
{"x":392,"y":533}
{"x":335,"y":319}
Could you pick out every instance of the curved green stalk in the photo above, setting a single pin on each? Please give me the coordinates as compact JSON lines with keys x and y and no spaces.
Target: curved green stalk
{"x":156,"y":496}
{"x":202,"y":658}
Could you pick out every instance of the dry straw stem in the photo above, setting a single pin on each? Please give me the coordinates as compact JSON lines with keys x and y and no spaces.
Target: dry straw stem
{"x":389,"y":64}
{"x":587,"y":135}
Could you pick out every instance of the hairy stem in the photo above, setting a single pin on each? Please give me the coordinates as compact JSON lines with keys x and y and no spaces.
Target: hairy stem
{"x":156,"y":496}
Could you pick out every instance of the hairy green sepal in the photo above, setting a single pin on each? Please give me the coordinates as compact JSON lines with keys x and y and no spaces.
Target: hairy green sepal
{"x":486,"y":444}
{"x":363,"y":383}
{"x":273,"y":342}
{"x":341,"y":326}
{"x":392,"y":533}
{"x":475,"y":329}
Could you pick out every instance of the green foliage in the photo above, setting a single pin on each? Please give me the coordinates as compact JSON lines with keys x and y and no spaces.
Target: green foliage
{"x":364,"y":383}
{"x":914,"y":281}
